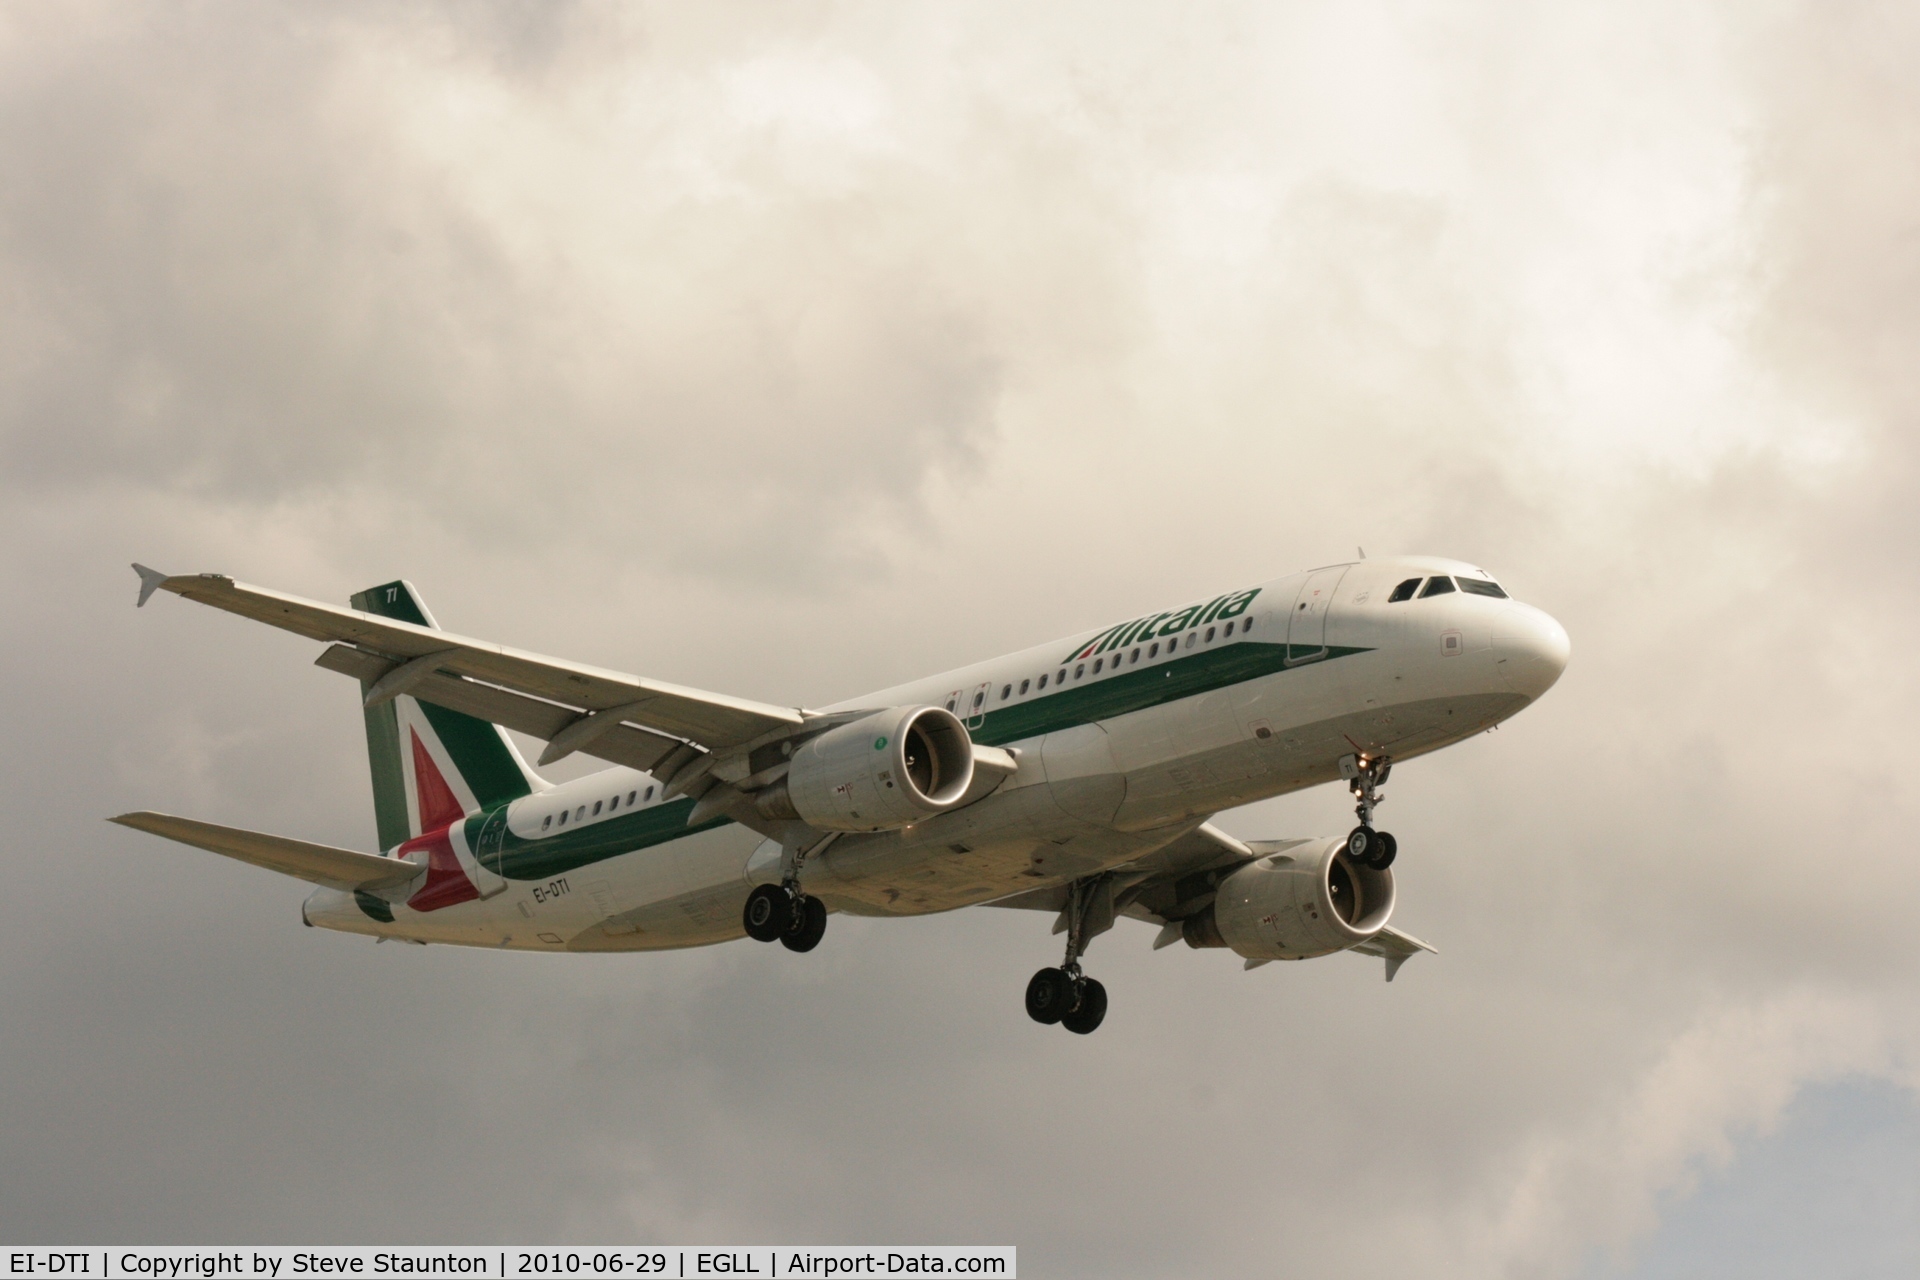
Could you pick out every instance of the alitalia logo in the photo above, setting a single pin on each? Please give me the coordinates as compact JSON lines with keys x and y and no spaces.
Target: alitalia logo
{"x":1217,"y":609}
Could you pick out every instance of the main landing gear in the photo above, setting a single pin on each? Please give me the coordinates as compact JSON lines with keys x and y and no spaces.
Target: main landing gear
{"x":776,"y":913}
{"x":1066,"y":995}
{"x":785,"y":912}
{"x":1375,"y":849}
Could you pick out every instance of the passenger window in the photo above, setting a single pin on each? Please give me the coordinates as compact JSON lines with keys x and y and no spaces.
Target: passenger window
{"x":1246,"y":624}
{"x":1191,"y":637}
{"x":563,"y":818}
{"x":1153,"y":650}
{"x":1079,"y":671}
{"x":979,"y":698}
{"x":546,"y":822}
{"x":1209,"y":635}
{"x":649,"y":793}
{"x":613,"y":804}
{"x":950,"y":704}
{"x":1481,"y":587}
{"x":1043,"y":682}
{"x":1097,"y":663}
{"x":1404,"y":591}
{"x":1023,"y":687}
{"x":631,"y":797}
{"x":1437,"y":587}
{"x":1061,"y":676}
{"x":596,"y":808}
{"x":1006,"y":691}
{"x":1227,"y":630}
{"x":1133,"y":657}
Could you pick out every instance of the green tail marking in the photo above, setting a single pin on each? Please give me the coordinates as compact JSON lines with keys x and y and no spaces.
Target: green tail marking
{"x":479,"y":750}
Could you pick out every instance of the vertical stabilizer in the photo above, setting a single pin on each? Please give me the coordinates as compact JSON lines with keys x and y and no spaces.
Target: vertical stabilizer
{"x":431,"y":766}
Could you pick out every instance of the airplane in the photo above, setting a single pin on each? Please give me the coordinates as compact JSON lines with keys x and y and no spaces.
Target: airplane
{"x":1078,"y":777}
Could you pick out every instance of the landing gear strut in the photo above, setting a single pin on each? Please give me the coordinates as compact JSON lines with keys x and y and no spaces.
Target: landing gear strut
{"x":1066,"y":995}
{"x":1365,"y":777}
{"x":784,"y":912}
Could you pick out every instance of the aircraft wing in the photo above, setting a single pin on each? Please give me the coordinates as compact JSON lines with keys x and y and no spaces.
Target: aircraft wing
{"x":317,"y":863}
{"x":1178,"y":879}
{"x":569,"y":703}
{"x":1160,"y":881}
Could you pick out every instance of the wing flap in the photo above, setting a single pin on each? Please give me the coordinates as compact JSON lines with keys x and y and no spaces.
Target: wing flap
{"x":636,"y":748}
{"x":714,"y":720}
{"x":316,"y":863}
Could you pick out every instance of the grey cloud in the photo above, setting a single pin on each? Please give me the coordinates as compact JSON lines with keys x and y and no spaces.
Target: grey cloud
{"x":960,"y":332}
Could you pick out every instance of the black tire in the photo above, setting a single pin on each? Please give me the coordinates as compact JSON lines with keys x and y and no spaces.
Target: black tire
{"x":1388,"y":850}
{"x":809,"y":925}
{"x":1049,"y":996}
{"x":1090,"y":1012}
{"x":1360,"y":843}
{"x":769,"y":913}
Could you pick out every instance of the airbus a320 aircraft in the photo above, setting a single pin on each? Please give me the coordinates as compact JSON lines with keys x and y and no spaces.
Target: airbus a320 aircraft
{"x":1077,"y":777}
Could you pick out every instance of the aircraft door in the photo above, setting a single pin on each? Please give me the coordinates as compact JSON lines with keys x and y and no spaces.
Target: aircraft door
{"x":493,"y":835}
{"x":1307,"y":623}
{"x":486,"y":853}
{"x":976,"y":710}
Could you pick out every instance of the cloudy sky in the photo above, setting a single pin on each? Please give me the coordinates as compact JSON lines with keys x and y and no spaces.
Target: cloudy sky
{"x":796,"y":350}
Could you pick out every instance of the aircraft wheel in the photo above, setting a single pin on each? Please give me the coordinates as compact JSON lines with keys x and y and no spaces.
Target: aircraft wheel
{"x":808,"y":927}
{"x":1384,"y":855}
{"x":1049,"y":996}
{"x":1090,"y":1012}
{"x":769,"y":913}
{"x":1360,"y":843}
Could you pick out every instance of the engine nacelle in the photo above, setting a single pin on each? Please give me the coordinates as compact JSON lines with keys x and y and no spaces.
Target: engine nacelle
{"x":880,"y":772}
{"x":1311,"y":900}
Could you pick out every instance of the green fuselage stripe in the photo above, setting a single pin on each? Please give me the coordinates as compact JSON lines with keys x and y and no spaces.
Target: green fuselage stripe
{"x":1093,"y":698}
{"x":1104,"y":696}
{"x":569,"y":848}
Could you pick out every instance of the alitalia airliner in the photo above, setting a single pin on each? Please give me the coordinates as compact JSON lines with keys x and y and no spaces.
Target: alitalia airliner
{"x":1077,"y":778}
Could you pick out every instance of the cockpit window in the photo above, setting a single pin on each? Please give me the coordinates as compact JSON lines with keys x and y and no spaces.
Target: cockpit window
{"x":1404,"y":591}
{"x":1481,"y":587}
{"x":1437,"y":587}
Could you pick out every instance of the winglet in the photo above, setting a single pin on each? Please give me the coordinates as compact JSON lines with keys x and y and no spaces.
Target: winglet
{"x":150,"y":580}
{"x":1396,"y":948}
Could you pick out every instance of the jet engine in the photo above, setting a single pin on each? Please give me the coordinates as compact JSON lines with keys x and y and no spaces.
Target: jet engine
{"x":882,"y":771}
{"x":1311,"y":900}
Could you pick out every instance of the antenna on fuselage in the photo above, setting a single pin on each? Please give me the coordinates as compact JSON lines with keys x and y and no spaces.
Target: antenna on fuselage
{"x":1363,"y":553}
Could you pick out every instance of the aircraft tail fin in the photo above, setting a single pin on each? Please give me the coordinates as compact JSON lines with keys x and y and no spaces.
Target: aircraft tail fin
{"x":431,"y":766}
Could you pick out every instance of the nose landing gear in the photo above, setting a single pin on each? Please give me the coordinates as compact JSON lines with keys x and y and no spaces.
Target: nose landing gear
{"x":1365,"y":777}
{"x":1066,"y":995}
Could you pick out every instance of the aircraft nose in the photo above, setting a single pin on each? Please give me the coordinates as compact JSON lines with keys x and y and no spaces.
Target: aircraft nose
{"x":1530,"y":649}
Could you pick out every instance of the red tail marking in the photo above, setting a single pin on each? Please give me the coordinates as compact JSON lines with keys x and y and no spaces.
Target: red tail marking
{"x":447,"y":881}
{"x":438,"y":807}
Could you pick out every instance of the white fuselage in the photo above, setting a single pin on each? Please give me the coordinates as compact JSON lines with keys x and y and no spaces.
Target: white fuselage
{"x":1139,"y":733}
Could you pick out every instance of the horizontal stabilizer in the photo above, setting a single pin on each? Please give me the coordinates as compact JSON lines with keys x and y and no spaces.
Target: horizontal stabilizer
{"x":318,"y":863}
